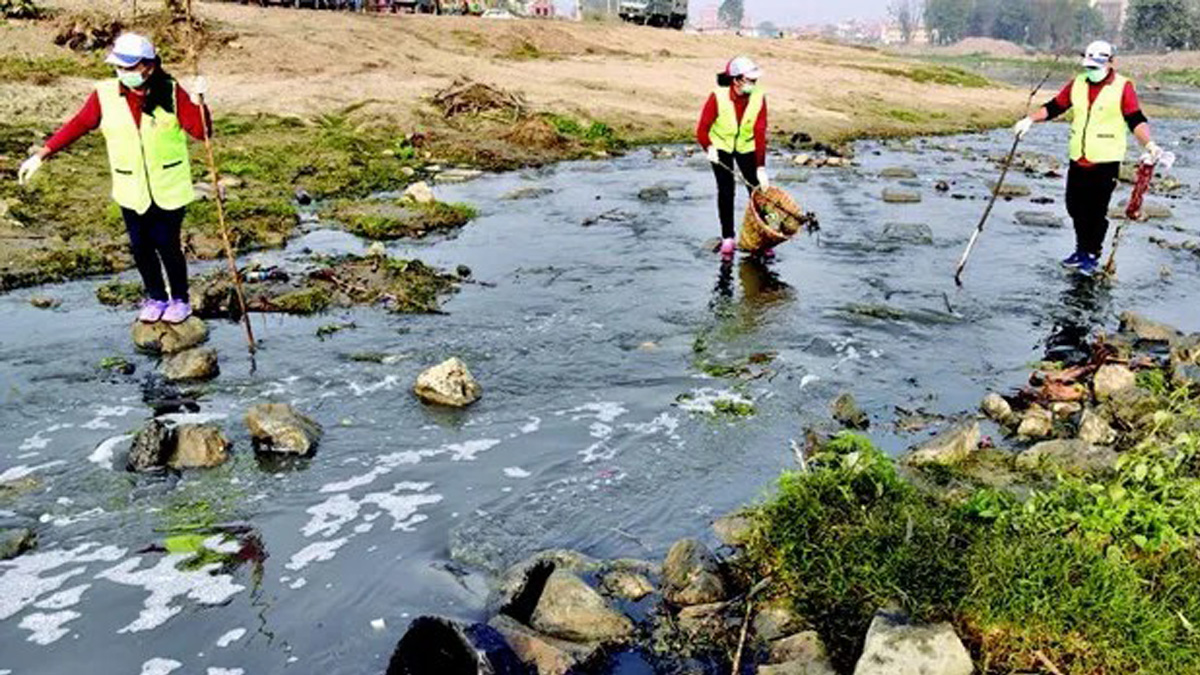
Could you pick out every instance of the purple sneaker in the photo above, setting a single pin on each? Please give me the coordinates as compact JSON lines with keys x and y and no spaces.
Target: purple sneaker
{"x":177,"y":311}
{"x":152,"y":311}
{"x":728,"y":247}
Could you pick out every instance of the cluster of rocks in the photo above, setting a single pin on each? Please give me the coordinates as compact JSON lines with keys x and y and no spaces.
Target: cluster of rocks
{"x":562,"y":612}
{"x":819,"y":161}
{"x":1071,"y":418}
{"x":183,"y":359}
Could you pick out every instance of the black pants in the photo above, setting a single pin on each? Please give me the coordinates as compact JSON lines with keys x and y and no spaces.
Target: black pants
{"x":1089,"y":191}
{"x":154,"y":240}
{"x":747,"y":162}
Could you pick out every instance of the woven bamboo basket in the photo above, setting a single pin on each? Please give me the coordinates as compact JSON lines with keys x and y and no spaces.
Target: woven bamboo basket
{"x":756,"y":234}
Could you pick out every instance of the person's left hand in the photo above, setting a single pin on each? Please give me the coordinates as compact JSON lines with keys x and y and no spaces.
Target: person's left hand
{"x":764,"y":181}
{"x":199,"y":89}
{"x":1154,"y":153}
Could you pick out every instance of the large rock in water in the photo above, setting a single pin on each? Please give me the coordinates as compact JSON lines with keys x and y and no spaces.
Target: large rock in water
{"x":151,"y":447}
{"x":278,"y":427}
{"x":198,"y":363}
{"x":570,"y":610}
{"x":1039,"y":219}
{"x":776,"y":620}
{"x":799,"y":654}
{"x":1147,"y":330}
{"x":897,"y":196}
{"x":199,"y":446}
{"x":436,"y":646}
{"x":846,"y":411}
{"x":626,"y":584}
{"x":894,"y":647}
{"x":947,"y":448}
{"x":997,"y":408}
{"x":449,"y":383}
{"x":909,"y":234}
{"x":1094,"y":429}
{"x":546,"y":655}
{"x":15,"y":541}
{"x":692,"y":575}
{"x":169,"y":338}
{"x":1036,"y":422}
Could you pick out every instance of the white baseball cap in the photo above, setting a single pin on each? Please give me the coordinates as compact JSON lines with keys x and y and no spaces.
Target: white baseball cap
{"x":1098,"y":55}
{"x":742,"y":66}
{"x":129,"y":50}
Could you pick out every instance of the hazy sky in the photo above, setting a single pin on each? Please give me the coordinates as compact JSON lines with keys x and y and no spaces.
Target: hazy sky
{"x":796,"y":12}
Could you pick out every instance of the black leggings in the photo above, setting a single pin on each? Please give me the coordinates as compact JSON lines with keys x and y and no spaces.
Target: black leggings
{"x":154,"y":240}
{"x":747,"y":162}
{"x":1089,"y":191}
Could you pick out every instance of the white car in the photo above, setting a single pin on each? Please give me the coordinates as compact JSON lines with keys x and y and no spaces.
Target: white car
{"x":497,"y":14}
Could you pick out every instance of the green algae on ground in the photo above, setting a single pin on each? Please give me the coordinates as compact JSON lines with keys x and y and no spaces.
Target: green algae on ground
{"x":304,"y":301}
{"x":384,"y":220}
{"x":118,"y":293}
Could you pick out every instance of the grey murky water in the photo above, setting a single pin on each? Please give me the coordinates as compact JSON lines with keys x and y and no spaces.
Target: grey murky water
{"x":581,"y":440}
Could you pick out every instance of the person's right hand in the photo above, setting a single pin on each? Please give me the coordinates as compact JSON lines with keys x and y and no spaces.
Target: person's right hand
{"x":28,"y":168}
{"x":714,"y":155}
{"x":1022,"y":127}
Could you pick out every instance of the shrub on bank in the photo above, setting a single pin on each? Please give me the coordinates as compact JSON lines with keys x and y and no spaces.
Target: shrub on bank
{"x":1096,"y":574}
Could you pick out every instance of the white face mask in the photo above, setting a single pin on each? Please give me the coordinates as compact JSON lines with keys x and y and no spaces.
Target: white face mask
{"x":131,"y":78}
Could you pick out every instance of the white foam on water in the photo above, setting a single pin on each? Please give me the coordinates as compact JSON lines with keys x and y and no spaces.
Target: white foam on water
{"x":403,"y":507}
{"x":231,"y":637}
{"x":194,"y":418}
{"x":166,"y":582}
{"x":160,"y":666}
{"x":226,"y":671}
{"x":329,"y":516}
{"x":355,"y":481}
{"x":19,"y":472}
{"x":516,"y":472}
{"x":808,"y":379}
{"x":316,"y":552}
{"x":64,"y":521}
{"x":704,"y":400}
{"x":385,"y":464}
{"x":387,"y":384}
{"x":532,"y":426}
{"x":666,"y":423}
{"x":298,"y":584}
{"x":603,"y":411}
{"x":35,"y":442}
{"x":48,"y":628}
{"x":64,"y":599}
{"x":600,"y":430}
{"x":597,"y":452}
{"x":23,"y":581}
{"x":113,"y":411}
{"x":466,"y":452}
{"x":222,"y":543}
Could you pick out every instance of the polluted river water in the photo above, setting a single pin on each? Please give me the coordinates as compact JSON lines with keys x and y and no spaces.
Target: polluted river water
{"x":622,"y":407}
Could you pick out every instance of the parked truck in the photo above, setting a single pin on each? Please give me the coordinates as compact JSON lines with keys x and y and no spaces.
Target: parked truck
{"x":657,"y":13}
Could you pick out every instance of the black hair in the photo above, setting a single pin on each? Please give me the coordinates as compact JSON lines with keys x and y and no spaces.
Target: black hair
{"x":724,"y":80}
{"x":160,"y":90}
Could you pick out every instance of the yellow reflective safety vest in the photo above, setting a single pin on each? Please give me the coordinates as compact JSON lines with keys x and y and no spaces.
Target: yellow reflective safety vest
{"x":1098,"y":132}
{"x":149,"y":163}
{"x":729,"y":136}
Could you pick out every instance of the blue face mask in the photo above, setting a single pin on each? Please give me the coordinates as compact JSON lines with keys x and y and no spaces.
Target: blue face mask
{"x":131,"y":78}
{"x":1097,"y":75}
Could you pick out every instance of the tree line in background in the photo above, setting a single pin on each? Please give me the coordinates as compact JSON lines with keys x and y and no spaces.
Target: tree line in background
{"x":1050,"y":24}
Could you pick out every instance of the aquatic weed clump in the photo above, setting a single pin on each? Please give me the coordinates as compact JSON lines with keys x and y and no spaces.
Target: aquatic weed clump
{"x":1095,"y":574}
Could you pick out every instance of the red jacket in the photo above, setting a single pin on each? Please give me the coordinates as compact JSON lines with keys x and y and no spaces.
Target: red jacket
{"x":709,"y":115}
{"x":88,"y":117}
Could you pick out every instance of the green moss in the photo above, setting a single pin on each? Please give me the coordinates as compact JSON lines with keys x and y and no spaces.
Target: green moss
{"x":120,"y":293}
{"x":596,"y":134}
{"x":331,"y":329}
{"x":411,"y":220}
{"x":905,"y":115}
{"x":524,"y":51}
{"x":305,"y":301}
{"x":930,"y":74}
{"x":734,"y":408}
{"x":116,"y":364}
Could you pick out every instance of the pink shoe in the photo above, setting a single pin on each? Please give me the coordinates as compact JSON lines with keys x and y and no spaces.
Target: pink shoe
{"x":728,"y":247}
{"x":152,"y":311}
{"x":177,"y":312}
{"x":768,"y":254}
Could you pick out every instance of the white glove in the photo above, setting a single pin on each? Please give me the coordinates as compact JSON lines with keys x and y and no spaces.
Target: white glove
{"x":1022,"y":127}
{"x":714,"y":155}
{"x":764,"y":181}
{"x":28,"y":168}
{"x":199,"y":89}
{"x":1154,"y":153}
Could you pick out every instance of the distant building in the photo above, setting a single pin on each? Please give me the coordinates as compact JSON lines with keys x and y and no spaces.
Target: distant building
{"x":541,"y":9}
{"x":890,"y":34}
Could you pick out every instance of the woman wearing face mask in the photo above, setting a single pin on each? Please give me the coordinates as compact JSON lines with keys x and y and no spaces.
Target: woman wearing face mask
{"x":145,"y":117}
{"x":1105,"y":104}
{"x":733,"y":133}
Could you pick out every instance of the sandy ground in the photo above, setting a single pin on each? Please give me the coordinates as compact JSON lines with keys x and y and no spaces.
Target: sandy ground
{"x":647,"y":82}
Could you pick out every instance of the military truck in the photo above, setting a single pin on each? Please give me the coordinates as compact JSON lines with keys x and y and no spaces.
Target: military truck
{"x":657,"y":13}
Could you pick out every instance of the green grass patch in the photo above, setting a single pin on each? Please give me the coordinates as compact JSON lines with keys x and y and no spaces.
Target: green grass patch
{"x":386,"y":221}
{"x":1099,"y":574}
{"x":930,"y":74}
{"x":595,"y":133}
{"x":303,"y":302}
{"x":1189,"y":77}
{"x":43,"y":71}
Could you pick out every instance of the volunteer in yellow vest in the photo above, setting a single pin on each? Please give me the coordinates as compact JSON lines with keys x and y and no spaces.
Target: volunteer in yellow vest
{"x":145,"y":117}
{"x":1105,"y":104}
{"x":733,"y":133}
